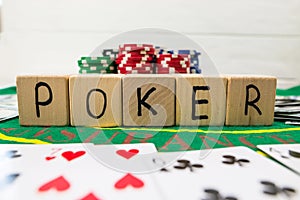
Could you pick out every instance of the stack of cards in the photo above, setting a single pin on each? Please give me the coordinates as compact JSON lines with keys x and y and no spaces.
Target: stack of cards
{"x":137,"y":171}
{"x":287,"y":109}
{"x":8,"y":107}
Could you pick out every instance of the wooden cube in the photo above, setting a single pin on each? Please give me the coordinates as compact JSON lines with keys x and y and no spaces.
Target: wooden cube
{"x":43,"y":100}
{"x":250,"y":100}
{"x":148,"y":100}
{"x":96,"y":100}
{"x":200,"y":101}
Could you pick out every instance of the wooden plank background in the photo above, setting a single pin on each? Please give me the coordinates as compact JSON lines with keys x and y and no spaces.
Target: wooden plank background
{"x":240,"y":36}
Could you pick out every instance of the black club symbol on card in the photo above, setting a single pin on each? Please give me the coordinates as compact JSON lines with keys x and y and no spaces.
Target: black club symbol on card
{"x":231,"y":160}
{"x":271,"y":188}
{"x":213,"y":194}
{"x":187,"y":164}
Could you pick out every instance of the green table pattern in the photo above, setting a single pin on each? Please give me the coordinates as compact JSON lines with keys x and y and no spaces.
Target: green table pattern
{"x":165,"y":139}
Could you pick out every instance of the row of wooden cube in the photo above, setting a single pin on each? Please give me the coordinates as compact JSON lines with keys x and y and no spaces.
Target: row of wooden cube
{"x":145,"y":100}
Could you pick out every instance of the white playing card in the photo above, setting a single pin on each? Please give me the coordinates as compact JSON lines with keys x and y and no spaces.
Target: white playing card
{"x":91,"y":177}
{"x":8,"y":107}
{"x":227,"y":173}
{"x":123,"y":157}
{"x":287,"y":154}
{"x":32,"y":163}
{"x":70,"y":172}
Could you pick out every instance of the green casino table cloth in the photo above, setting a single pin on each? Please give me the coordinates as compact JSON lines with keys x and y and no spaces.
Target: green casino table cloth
{"x":165,"y":139}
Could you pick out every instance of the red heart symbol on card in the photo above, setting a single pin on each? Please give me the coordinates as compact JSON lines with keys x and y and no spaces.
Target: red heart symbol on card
{"x":69,"y":155}
{"x":50,"y":157}
{"x":59,"y":184}
{"x":127,"y":154}
{"x":90,"y":196}
{"x":127,"y":180}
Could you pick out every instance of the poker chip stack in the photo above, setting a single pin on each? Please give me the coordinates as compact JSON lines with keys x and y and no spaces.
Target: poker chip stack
{"x":99,"y":65}
{"x":112,"y":53}
{"x":193,"y":57}
{"x":194,"y":60}
{"x":135,"y":59}
{"x":142,"y":59}
{"x":170,"y":63}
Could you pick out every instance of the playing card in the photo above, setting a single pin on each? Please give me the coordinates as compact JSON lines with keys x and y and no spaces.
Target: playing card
{"x":69,"y":171}
{"x":287,"y":109}
{"x":287,"y":154}
{"x":124,"y":157}
{"x":8,"y":107}
{"x":23,"y":166}
{"x":92,"y":179}
{"x":227,"y":173}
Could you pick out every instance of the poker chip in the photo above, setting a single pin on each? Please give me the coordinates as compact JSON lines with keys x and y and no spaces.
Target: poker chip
{"x":142,"y":58}
{"x":172,"y":70}
{"x":173,"y":66}
{"x":112,"y":53}
{"x":83,"y":71}
{"x":100,"y":65}
{"x":134,"y":71}
{"x":136,"y":65}
{"x":146,"y":68}
{"x":171,"y":62}
{"x":135,"y":59}
{"x":136,"y":47}
{"x":95,"y":60}
{"x":195,"y":70}
{"x":188,"y":52}
{"x":92,"y":65}
{"x":168,"y":62}
{"x":173,"y":56}
{"x":193,"y":56}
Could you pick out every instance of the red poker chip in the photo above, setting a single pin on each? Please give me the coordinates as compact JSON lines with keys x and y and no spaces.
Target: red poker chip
{"x":172,"y":70}
{"x":135,"y":65}
{"x":136,"y":53}
{"x":172,"y":59}
{"x":172,"y":66}
{"x":132,"y":62}
{"x":174,"y":62}
{"x":137,"y":50}
{"x":136,"y":45}
{"x":135,"y":71}
{"x":135,"y":59}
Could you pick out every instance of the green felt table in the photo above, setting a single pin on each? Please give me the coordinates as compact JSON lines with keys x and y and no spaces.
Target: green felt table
{"x":165,"y":139}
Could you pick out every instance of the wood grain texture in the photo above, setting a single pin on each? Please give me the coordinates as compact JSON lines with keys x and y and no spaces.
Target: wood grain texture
{"x":96,"y":100}
{"x":250,"y":100}
{"x":158,"y":91}
{"x":215,"y":95}
{"x":43,"y":100}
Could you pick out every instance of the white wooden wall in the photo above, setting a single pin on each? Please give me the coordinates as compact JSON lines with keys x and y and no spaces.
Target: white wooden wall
{"x":240,"y":36}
